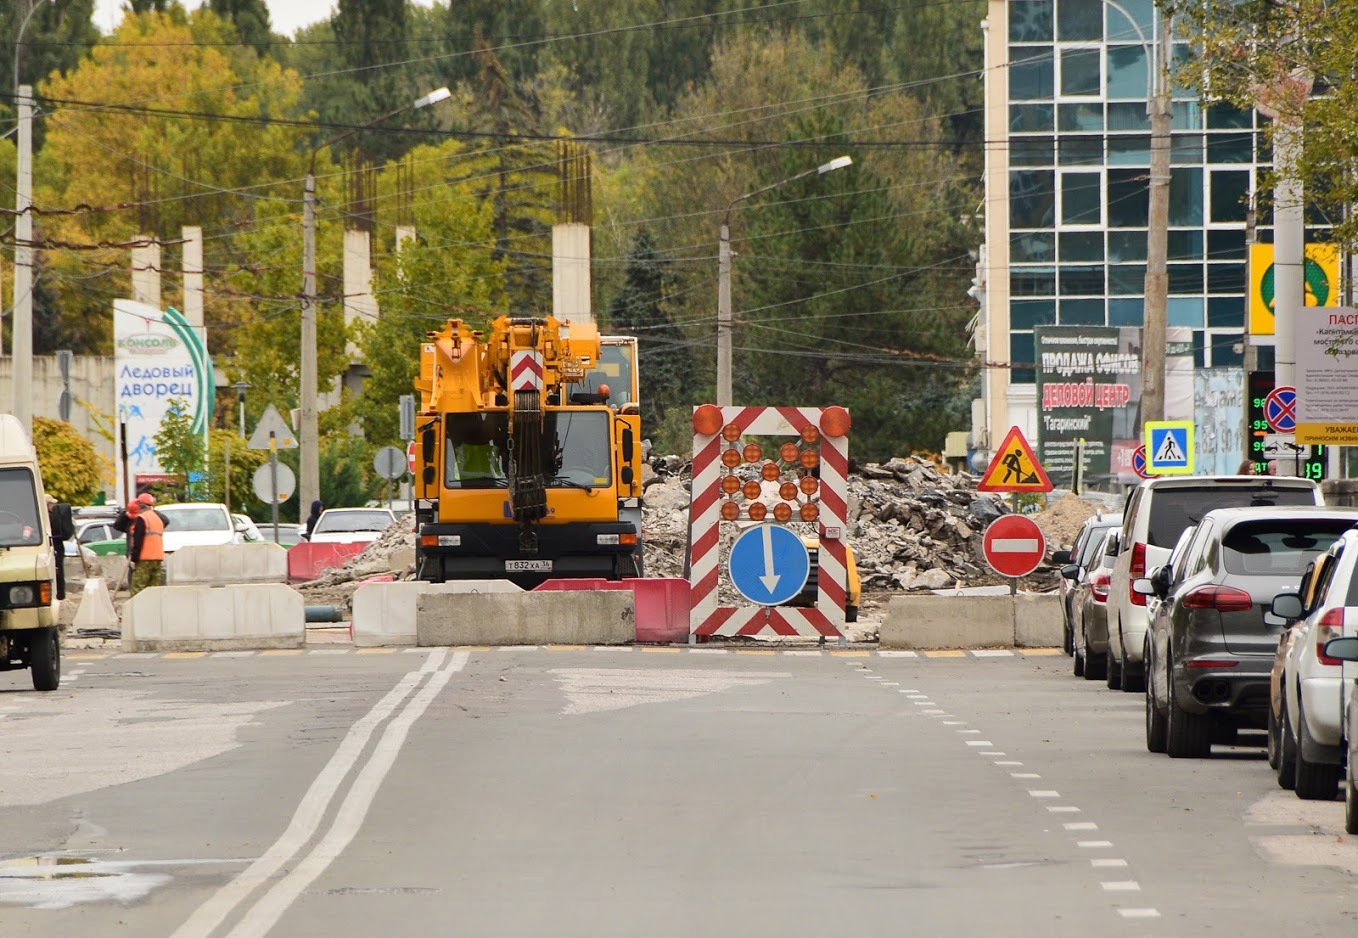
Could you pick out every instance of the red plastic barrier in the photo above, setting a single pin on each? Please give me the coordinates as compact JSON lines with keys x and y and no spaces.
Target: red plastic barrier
{"x":306,"y":560}
{"x":663,"y":604}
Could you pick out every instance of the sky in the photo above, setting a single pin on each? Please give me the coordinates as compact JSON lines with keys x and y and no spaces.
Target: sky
{"x":286,"y":16}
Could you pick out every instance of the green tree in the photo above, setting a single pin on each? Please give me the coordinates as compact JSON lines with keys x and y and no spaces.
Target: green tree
{"x":72,"y":471}
{"x":251,"y":19}
{"x":58,"y":35}
{"x":181,"y":452}
{"x":640,"y":309}
{"x":347,"y":478}
{"x":244,"y":462}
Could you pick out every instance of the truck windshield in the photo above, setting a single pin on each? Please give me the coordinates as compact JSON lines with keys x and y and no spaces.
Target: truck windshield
{"x":19,"y":524}
{"x":575,"y":450}
{"x":615,"y":369}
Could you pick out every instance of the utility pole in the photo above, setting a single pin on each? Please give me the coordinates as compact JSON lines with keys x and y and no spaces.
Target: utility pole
{"x":1289,"y":233}
{"x":309,"y":485}
{"x":724,"y":316}
{"x":1160,"y":110}
{"x":23,"y":264}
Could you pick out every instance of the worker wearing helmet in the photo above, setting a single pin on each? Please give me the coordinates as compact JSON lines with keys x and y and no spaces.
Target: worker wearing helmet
{"x":146,"y":548}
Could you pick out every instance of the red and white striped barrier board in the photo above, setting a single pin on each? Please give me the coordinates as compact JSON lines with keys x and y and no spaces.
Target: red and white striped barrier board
{"x":817,"y":437}
{"x":525,"y":371}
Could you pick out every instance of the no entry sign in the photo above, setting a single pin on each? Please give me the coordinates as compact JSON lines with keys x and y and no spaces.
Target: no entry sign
{"x":1014,"y":545}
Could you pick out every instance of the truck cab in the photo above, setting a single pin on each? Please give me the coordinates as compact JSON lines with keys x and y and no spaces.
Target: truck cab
{"x":28,"y":564}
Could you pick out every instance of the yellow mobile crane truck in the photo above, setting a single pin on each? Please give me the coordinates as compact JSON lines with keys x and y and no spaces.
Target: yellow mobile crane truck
{"x":524,"y":470}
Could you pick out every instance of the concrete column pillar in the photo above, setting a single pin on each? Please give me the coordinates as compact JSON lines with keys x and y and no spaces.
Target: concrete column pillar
{"x":146,"y":273}
{"x":571,"y":273}
{"x":193,"y":275}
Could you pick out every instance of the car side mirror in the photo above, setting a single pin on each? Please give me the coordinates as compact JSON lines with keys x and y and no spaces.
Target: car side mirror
{"x":626,"y":475}
{"x":1071,"y":571}
{"x":1061,"y":558}
{"x":1160,"y":578}
{"x":1287,"y":606}
{"x":1142,"y":586}
{"x":1345,"y":649}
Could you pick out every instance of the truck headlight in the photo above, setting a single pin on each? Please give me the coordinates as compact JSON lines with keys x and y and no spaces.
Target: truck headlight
{"x":22,"y":595}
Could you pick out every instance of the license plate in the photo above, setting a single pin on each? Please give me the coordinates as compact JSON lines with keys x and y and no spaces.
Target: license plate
{"x":528,"y":566}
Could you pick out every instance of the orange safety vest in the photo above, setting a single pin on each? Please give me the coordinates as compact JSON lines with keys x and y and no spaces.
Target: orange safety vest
{"x":153,"y":538}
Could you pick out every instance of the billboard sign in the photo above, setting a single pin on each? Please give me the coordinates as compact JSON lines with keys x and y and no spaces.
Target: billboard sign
{"x":1320,"y":276}
{"x":157,"y":357}
{"x":1327,"y":363}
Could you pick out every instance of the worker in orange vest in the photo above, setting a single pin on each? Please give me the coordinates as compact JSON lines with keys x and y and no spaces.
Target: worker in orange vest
{"x":147,"y":548}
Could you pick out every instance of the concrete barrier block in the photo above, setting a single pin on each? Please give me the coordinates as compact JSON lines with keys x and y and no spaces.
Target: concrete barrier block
{"x":606,"y":617}
{"x":227,"y":563}
{"x":928,"y":621}
{"x":113,"y":568}
{"x":214,"y":618}
{"x":1037,"y":620}
{"x":384,"y":613}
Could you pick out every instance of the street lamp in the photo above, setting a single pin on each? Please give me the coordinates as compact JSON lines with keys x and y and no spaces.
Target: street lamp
{"x":309,"y":486}
{"x":724,"y":275}
{"x":240,"y":387}
{"x":23,"y":241}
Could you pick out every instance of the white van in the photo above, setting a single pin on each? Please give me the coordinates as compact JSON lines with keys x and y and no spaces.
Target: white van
{"x":1156,"y":513}
{"x":29,"y":637}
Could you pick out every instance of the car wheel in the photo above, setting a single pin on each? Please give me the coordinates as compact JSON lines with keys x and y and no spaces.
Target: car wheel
{"x":1096,"y":667}
{"x":1113,"y":671}
{"x":1274,"y":736}
{"x":1077,"y":661}
{"x":1316,"y":781}
{"x":1350,"y":804}
{"x":1157,"y":725}
{"x":1068,"y":639}
{"x":1188,"y":735}
{"x":44,"y":659}
{"x":1287,"y":752}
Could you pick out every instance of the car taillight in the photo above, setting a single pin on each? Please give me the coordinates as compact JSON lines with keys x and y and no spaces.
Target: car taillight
{"x":1220,"y":598}
{"x":1138,"y":570}
{"x":1098,"y":587}
{"x":1331,"y":625}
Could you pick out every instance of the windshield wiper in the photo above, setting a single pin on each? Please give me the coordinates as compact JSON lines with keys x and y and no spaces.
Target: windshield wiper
{"x":571,"y":483}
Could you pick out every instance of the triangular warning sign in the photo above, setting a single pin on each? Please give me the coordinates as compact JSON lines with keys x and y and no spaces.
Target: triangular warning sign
{"x":1014,"y":468}
{"x":271,"y":421}
{"x":1169,"y":450}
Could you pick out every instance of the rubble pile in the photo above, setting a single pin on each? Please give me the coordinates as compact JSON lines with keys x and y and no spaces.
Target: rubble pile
{"x":392,"y":554}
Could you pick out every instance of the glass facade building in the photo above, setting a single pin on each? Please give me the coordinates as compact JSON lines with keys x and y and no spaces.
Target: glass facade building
{"x":1079,"y":77}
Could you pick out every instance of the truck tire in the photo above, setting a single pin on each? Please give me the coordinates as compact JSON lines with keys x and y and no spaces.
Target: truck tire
{"x":44,"y":659}
{"x":1316,"y":781}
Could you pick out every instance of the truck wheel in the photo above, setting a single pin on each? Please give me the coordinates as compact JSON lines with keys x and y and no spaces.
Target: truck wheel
{"x":1316,"y":781}
{"x":44,"y":659}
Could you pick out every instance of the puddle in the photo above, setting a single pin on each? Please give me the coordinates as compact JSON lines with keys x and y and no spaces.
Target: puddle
{"x":61,"y":881}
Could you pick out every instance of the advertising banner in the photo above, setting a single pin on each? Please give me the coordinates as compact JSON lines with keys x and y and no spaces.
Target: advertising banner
{"x":157,"y":357}
{"x":1320,"y":275}
{"x":1327,"y":365}
{"x":1089,"y":389}
{"x":1219,"y":412}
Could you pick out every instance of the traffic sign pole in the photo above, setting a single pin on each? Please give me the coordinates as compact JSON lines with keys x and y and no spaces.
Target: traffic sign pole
{"x":273,"y":480}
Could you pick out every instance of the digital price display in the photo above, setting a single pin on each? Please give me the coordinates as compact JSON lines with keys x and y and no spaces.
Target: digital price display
{"x":1312,"y":465}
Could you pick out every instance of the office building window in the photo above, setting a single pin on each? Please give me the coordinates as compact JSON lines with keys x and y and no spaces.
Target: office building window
{"x":1030,"y":20}
{"x":1081,"y":73}
{"x":1081,"y":313}
{"x":1079,"y":21}
{"x":1081,"y":199}
{"x":1031,"y":74}
{"x":1126,"y":312}
{"x":1032,"y":198}
{"x":1025,"y":314}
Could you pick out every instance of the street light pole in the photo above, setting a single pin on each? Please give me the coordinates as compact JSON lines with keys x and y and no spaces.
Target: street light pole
{"x":309,"y":485}
{"x":724,"y":274}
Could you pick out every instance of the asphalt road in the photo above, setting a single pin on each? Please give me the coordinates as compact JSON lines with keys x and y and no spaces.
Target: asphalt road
{"x":666,"y":792}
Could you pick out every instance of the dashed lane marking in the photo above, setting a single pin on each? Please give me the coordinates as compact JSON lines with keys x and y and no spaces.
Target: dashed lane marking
{"x":289,"y":652}
{"x":946,"y":653}
{"x":376,"y":651}
{"x":1139,"y":913}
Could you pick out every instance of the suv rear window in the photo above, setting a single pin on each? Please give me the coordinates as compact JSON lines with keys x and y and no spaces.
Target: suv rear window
{"x":1173,"y":509}
{"x":1278,"y":547}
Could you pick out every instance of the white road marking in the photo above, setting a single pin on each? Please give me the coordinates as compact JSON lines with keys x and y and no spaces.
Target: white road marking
{"x":414,"y":651}
{"x":874,"y":677}
{"x":1081,"y":826}
{"x":934,"y":713}
{"x":1106,"y":862}
{"x":890,"y":684}
{"x":323,"y":651}
{"x":312,"y":808}
{"x":265,"y":914}
{"x":954,"y":722}
{"x":602,"y":648}
{"x":898,"y":654}
{"x":1063,"y":809}
{"x":993,"y":753}
{"x":915,"y":695}
{"x":247,"y":654}
{"x":803,"y":653}
{"x":1041,"y":793}
{"x":978,"y":742}
{"x":1009,"y":763}
{"x":1125,"y":885}
{"x":137,"y":654}
{"x":1139,"y":913}
{"x":991,"y":653}
{"x":922,"y":703}
{"x":723,"y":651}
{"x":1094,"y":844}
{"x":594,"y":690}
{"x":1024,"y":775}
{"x":964,"y":732}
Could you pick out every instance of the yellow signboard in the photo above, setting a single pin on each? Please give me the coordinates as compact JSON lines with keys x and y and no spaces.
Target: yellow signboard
{"x":1015,"y":468}
{"x":1321,"y":280}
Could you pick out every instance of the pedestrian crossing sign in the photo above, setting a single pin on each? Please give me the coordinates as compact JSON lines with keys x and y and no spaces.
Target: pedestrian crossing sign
{"x":1169,"y":447}
{"x":1014,"y":468}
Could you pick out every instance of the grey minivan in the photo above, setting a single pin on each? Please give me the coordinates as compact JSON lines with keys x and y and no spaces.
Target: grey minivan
{"x":1211,"y":643}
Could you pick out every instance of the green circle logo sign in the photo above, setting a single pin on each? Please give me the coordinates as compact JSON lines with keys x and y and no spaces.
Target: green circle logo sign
{"x":1317,"y":285}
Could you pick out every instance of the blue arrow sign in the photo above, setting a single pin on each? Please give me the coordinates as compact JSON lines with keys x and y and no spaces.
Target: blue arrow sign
{"x":769,"y":564}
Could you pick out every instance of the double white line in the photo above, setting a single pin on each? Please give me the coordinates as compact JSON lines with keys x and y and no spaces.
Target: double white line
{"x":265,"y":913}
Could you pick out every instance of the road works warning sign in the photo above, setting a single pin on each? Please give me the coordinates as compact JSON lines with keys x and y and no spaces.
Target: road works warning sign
{"x":1014,"y":468}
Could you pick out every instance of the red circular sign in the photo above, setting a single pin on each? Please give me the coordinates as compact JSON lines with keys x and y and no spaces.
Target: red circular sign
{"x":1138,"y":462}
{"x":410,"y":457}
{"x":1014,"y":545}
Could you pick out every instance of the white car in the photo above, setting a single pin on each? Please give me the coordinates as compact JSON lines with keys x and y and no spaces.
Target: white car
{"x":1156,"y":513}
{"x":351,"y":525}
{"x":198,"y":523}
{"x":1313,"y":689}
